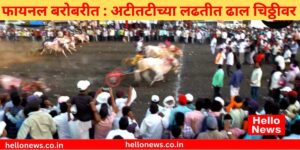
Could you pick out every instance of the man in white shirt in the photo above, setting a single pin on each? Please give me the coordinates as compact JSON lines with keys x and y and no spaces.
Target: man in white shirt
{"x":279,"y":59}
{"x":242,"y":49}
{"x":287,"y":55}
{"x":152,"y":127}
{"x":154,"y":100}
{"x":213,"y":45}
{"x":229,"y":61}
{"x":178,"y":35}
{"x":199,"y":37}
{"x":275,"y":84}
{"x":61,"y":120}
{"x":224,"y":35}
{"x":256,"y":81}
{"x":123,"y":124}
{"x":112,"y":33}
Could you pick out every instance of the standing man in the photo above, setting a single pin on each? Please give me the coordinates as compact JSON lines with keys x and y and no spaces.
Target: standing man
{"x":256,"y":81}
{"x":294,"y":47}
{"x":219,"y":60}
{"x":275,"y":84}
{"x":152,"y":127}
{"x":38,"y":124}
{"x":235,"y":81}
{"x":218,"y":81}
{"x":213,"y":44}
{"x":229,"y":61}
{"x":279,"y":60}
{"x":84,"y":112}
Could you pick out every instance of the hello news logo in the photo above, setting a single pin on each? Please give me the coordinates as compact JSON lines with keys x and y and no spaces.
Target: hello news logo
{"x":266,"y":125}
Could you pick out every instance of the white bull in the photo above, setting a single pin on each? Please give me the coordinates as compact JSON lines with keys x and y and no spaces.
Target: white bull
{"x":68,"y":42}
{"x":55,"y":46}
{"x":82,"y":38}
{"x":162,"y":52}
{"x":159,"y":66}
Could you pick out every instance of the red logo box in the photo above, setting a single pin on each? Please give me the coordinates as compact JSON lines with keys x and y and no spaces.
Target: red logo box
{"x":266,"y":125}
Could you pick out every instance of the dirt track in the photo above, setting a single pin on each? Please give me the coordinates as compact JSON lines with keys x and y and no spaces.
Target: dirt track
{"x":93,"y":61}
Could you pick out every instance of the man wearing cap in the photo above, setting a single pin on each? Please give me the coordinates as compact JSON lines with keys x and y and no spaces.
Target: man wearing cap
{"x":293,"y":107}
{"x":62,"y":119}
{"x":190,"y":99}
{"x":182,"y":101}
{"x":154,"y":100}
{"x":212,"y":130}
{"x":152,"y":127}
{"x":169,"y":103}
{"x":84,"y":113}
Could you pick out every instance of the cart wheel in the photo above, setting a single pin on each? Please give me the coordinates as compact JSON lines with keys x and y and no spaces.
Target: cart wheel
{"x":113,"y":80}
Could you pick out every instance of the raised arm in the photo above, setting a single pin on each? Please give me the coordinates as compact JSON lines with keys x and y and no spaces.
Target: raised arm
{"x":97,"y":117}
{"x":129,"y":96}
{"x":113,"y":102}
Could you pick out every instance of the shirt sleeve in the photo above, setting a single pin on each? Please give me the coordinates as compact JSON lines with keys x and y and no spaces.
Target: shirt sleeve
{"x":143,"y":128}
{"x":52,"y":125}
{"x":24,"y":130}
{"x":11,"y":118}
{"x":109,"y":135}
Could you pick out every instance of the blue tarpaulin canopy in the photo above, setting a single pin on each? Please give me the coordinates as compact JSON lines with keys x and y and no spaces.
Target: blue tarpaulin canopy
{"x":36,"y":23}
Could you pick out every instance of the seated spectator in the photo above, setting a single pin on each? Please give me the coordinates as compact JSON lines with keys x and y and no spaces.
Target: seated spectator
{"x":233,"y":133}
{"x":186,"y":131}
{"x":190,"y":99}
{"x":195,"y":118}
{"x":238,"y":113}
{"x":295,"y":131}
{"x":180,"y":108}
{"x":212,"y":130}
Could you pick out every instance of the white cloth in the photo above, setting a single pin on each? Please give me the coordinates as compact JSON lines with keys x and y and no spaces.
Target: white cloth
{"x":234,"y":91}
{"x":79,"y":129}
{"x":275,"y":80}
{"x":121,"y":102}
{"x":63,"y":129}
{"x":224,"y":35}
{"x":281,"y":62}
{"x":230,"y":59}
{"x":242,"y":47}
{"x":151,"y":127}
{"x":198,"y":35}
{"x":290,"y":78}
{"x":123,"y":133}
{"x":256,"y":77}
{"x":287,"y":56}
{"x":242,"y":35}
{"x":213,"y":42}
